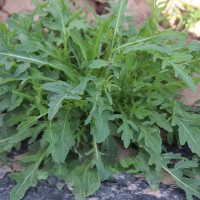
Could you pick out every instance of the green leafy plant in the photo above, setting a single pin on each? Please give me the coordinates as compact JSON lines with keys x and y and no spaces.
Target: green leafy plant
{"x":71,"y":88}
{"x":182,"y":18}
{"x":191,"y":17}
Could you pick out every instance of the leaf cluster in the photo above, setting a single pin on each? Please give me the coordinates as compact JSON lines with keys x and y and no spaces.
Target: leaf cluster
{"x":73,"y":88}
{"x":184,"y":16}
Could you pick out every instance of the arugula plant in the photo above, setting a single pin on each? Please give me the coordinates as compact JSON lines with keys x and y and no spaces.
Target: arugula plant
{"x":185,"y":18}
{"x":71,"y":88}
{"x":188,"y":20}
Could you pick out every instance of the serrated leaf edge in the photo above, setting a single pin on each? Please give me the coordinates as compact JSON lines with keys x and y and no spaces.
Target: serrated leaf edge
{"x":188,"y":132}
{"x":178,"y":180}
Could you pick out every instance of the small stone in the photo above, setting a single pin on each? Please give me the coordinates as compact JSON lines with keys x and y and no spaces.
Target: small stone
{"x":4,"y":170}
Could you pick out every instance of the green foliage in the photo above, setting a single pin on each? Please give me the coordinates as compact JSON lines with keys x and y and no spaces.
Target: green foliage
{"x":185,"y":16}
{"x":73,"y":88}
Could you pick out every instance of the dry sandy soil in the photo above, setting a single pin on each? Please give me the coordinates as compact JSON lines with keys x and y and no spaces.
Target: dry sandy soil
{"x":138,"y":8}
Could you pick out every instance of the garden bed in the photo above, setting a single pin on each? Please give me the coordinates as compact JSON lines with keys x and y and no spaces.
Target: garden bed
{"x":137,"y":123}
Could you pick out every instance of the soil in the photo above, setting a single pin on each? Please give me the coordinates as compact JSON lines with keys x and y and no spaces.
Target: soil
{"x":123,"y":187}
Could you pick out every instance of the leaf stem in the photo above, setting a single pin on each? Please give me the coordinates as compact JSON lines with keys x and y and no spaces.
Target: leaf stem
{"x":95,"y":148}
{"x":178,"y":180}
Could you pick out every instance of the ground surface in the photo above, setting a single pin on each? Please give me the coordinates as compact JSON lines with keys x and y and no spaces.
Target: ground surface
{"x":125,"y":187}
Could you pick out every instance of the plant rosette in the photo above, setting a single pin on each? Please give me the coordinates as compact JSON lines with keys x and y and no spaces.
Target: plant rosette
{"x":72,"y":88}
